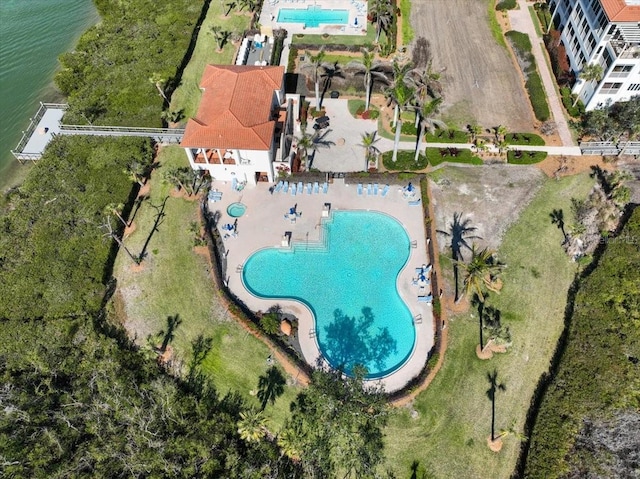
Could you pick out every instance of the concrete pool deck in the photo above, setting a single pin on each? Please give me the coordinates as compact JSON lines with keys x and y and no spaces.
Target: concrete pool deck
{"x":356,"y":23}
{"x":263,"y":225}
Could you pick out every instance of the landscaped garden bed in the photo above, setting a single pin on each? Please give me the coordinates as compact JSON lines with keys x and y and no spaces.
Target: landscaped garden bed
{"x":452,"y":155}
{"x":522,"y":49}
{"x":405,"y":161}
{"x":522,"y":157}
{"x":530,"y":139}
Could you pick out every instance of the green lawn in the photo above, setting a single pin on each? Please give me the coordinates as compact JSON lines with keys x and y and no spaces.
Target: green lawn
{"x":175,"y":280}
{"x":187,"y":95}
{"x":450,"y":432}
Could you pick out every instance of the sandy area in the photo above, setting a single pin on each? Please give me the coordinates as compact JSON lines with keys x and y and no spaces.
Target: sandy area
{"x":481,"y":83}
{"x":492,"y":197}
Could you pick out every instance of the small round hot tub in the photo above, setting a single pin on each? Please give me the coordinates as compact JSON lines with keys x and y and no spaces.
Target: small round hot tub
{"x":236,"y":210}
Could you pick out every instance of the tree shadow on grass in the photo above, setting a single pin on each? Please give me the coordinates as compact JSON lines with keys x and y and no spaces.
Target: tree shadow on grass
{"x":351,"y":341}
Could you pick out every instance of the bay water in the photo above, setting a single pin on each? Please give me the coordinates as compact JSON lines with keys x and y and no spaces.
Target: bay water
{"x":33,"y":33}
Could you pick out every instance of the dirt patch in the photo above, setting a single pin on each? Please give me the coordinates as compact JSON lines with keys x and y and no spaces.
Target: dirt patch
{"x":481,"y":84}
{"x":491,"y":197}
{"x":553,"y":166}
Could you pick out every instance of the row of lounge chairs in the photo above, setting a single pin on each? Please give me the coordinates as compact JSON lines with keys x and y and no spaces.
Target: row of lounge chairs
{"x":301,"y":188}
{"x":373,"y":189}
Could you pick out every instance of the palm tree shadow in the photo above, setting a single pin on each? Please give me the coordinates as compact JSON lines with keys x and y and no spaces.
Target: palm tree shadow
{"x":351,"y":342}
{"x":160,"y":214}
{"x":459,"y":231}
{"x":331,"y":71}
{"x":168,"y":334}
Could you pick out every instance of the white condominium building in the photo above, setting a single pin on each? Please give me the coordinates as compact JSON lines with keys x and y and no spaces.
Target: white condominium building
{"x":606,"y":32}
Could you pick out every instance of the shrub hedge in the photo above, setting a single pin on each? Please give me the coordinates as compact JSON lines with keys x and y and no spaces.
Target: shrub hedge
{"x":522,"y":47}
{"x":577,"y":110}
{"x":506,"y":5}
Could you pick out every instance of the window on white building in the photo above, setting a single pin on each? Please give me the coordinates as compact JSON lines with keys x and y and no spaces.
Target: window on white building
{"x":621,"y":71}
{"x":610,"y":88}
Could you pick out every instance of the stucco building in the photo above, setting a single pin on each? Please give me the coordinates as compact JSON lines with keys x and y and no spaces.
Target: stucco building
{"x":606,"y":32}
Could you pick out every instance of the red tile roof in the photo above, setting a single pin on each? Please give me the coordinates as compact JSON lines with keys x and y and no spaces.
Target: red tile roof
{"x":619,"y":11}
{"x":235,"y":109}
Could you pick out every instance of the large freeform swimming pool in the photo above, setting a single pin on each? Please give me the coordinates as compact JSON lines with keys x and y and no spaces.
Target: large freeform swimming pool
{"x":313,"y":16}
{"x":349,"y":283}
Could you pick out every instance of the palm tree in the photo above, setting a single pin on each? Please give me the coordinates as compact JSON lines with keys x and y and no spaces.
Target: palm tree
{"x":311,"y":142}
{"x":400,"y":95}
{"x":252,"y":425}
{"x":474,"y":132}
{"x":590,"y":72}
{"x":159,"y":81}
{"x":115,"y":208}
{"x":426,"y":121}
{"x":459,"y":231}
{"x":557,"y":218}
{"x":368,"y":143}
{"x":426,"y":82}
{"x":369,"y":73}
{"x":500,"y":132}
{"x":481,"y":272}
{"x":382,"y":12}
{"x":137,"y":172}
{"x":316,"y":61}
{"x":221,"y":36}
{"x":230,"y":6}
{"x":494,"y":387}
{"x":270,"y":386}
{"x":287,"y":443}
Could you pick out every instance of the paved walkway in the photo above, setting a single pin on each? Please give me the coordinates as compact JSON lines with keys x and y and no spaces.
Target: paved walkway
{"x":521,"y":21}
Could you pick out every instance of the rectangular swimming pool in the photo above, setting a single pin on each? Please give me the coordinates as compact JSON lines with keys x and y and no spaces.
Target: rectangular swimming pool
{"x":313,"y":16}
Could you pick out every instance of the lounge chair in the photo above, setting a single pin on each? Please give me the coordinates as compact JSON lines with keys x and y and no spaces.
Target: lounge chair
{"x":360,"y":189}
{"x":234,"y":184}
{"x":278,"y":186}
{"x":308,"y":188}
{"x":300,"y":187}
{"x":375,"y":189}
{"x":425,"y":299}
{"x":369,"y":189}
{"x":325,"y":187}
{"x":285,"y":187}
{"x":293,"y":190}
{"x":316,"y":187}
{"x":414,"y":202}
{"x":385,"y":190}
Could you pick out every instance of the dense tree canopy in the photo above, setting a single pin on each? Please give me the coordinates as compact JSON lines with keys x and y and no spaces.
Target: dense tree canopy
{"x":589,"y":421}
{"x":52,"y":250}
{"x":76,"y":404}
{"x":119,"y":66}
{"x":335,"y":429}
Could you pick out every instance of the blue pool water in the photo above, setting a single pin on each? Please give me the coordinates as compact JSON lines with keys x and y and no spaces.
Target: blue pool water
{"x":236,"y":210}
{"x":349,"y":283}
{"x":313,"y":16}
